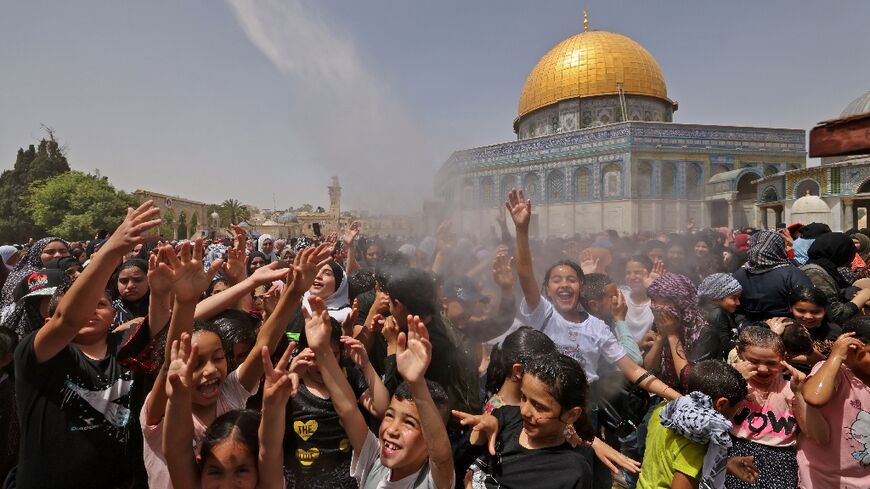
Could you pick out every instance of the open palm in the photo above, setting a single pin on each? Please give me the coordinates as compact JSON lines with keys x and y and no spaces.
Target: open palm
{"x":414,"y":351}
{"x":520,"y":208}
{"x":189,"y":277}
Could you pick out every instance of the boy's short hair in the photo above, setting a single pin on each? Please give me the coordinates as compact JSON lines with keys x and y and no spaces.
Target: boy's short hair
{"x":594,"y":285}
{"x":860,"y":325}
{"x":797,"y":340}
{"x":61,"y":291}
{"x":439,"y":397}
{"x":718,"y":379}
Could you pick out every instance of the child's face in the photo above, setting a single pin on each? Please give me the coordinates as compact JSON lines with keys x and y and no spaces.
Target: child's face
{"x":211,"y":370}
{"x":635,"y":273}
{"x":729,"y":304}
{"x":766,"y":361}
{"x":402,"y":447}
{"x":324,"y":283}
{"x":808,"y":314}
{"x":564,"y":288}
{"x":132,"y":284}
{"x":603,"y":308}
{"x":98,"y":326}
{"x":230,"y":464}
{"x":241,"y":351}
{"x":541,"y":412}
{"x":314,"y":371}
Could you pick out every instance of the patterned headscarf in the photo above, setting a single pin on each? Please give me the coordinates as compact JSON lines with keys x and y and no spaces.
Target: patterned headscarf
{"x":718,"y":286}
{"x":694,"y":418}
{"x":680,"y":290}
{"x":766,"y":252}
{"x":30,"y":263}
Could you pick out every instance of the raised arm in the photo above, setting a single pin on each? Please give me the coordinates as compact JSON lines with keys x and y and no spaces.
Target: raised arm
{"x":214,"y":305}
{"x":349,"y":236}
{"x":160,"y":290}
{"x":645,"y":380}
{"x":300,"y":277}
{"x":375,"y":399}
{"x":821,"y":387}
{"x":188,"y":279}
{"x":178,"y":433}
{"x":78,"y":304}
{"x":520,"y":210}
{"x":412,"y":359}
{"x":279,"y":385}
{"x":318,"y":329}
{"x":496,"y":325}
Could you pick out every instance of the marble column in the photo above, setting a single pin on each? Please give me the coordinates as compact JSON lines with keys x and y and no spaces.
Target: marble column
{"x":730,"y":214}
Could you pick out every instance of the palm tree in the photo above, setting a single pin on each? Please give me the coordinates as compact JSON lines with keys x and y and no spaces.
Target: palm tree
{"x":232,"y":211}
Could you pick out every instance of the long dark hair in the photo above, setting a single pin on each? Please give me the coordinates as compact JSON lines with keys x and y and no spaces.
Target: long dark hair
{"x":518,"y":347}
{"x":567,"y":382}
{"x":240,"y":426}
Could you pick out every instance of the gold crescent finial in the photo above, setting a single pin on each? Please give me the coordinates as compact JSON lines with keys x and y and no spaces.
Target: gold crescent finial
{"x":585,"y":21}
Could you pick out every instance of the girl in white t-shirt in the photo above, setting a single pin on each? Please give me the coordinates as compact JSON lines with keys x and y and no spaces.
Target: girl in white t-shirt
{"x":555,"y":309}
{"x":640,"y":272}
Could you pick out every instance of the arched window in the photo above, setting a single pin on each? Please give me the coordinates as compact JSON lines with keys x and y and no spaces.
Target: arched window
{"x":555,"y":186}
{"x":810,"y":187}
{"x":669,"y":179}
{"x":182,"y":226}
{"x":769,"y":195}
{"x":530,"y":186}
{"x":582,"y":189}
{"x":487,"y":191}
{"x":694,"y":181}
{"x":643,"y":186}
{"x":770,"y":170}
{"x":612,"y":180}
{"x":194,"y":222}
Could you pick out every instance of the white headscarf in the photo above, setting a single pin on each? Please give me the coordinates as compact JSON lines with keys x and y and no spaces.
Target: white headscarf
{"x":6,"y":252}
{"x":270,"y":257}
{"x":337,"y":304}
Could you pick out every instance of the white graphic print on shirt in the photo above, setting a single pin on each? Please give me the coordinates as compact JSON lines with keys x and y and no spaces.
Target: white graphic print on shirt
{"x":107,"y":408}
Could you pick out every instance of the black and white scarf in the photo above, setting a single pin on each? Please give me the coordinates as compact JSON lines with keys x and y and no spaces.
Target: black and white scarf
{"x":693,"y":417}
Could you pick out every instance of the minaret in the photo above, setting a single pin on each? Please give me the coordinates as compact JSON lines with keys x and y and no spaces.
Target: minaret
{"x":335,"y":204}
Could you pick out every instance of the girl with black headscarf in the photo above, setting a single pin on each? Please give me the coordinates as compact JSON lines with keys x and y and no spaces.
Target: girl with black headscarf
{"x":829,"y":252}
{"x":131,"y":291}
{"x":35,"y":259}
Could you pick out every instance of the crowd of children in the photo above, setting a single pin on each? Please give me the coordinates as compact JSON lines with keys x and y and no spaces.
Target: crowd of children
{"x":704,"y":359}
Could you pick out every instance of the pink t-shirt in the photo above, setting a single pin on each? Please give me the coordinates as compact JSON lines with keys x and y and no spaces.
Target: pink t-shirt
{"x":233,"y":396}
{"x":774,"y":423}
{"x":844,"y":463}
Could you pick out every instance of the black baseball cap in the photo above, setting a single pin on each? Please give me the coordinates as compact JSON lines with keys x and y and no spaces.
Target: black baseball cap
{"x":40,"y":283}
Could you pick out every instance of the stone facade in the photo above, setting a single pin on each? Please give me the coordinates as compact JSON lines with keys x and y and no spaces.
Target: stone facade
{"x":629,"y":176}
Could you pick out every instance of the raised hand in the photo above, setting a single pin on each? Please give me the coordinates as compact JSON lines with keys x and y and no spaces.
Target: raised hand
{"x":351,"y":233}
{"x":520,"y":208}
{"x":307,"y":263}
{"x":445,"y":237}
{"x":268,"y":273}
{"x":666,"y":323}
{"x":270,"y":300}
{"x":503,"y":271}
{"x":318,"y":327}
{"x":160,"y":272}
{"x":182,"y":363}
{"x":239,"y":234}
{"x":657,"y":270}
{"x":620,"y":308}
{"x":189,"y":278}
{"x":845,"y":344}
{"x":777,"y":325}
{"x":797,"y":377}
{"x":235,"y":270}
{"x":133,"y":230}
{"x":302,"y":362}
{"x":389,"y":329}
{"x":356,"y":351}
{"x":414,"y":351}
{"x":280,"y":382}
{"x":347,"y":326}
{"x":483,"y":427}
{"x":588,"y":262}
{"x":746,"y":369}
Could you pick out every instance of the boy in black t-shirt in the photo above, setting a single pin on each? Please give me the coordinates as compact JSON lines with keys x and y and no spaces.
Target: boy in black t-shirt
{"x":74,"y":397}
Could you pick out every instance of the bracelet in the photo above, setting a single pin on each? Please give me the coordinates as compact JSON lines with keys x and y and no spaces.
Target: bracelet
{"x":643,"y":377}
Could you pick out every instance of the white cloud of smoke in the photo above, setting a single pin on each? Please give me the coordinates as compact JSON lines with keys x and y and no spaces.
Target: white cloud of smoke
{"x":355,"y":127}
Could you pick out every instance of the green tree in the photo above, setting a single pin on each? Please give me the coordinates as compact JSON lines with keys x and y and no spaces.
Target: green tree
{"x":75,"y":205}
{"x":233,"y":212}
{"x":45,"y":160}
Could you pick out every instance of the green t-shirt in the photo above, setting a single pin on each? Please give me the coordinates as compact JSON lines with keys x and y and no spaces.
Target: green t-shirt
{"x":666,"y":453}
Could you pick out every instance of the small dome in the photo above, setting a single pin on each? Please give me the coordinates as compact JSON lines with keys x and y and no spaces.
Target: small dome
{"x":810,"y":208}
{"x":591,"y":64}
{"x":287,"y":217}
{"x":860,"y":105}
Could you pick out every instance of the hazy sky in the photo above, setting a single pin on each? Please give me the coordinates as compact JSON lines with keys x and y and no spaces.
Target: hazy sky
{"x":252,"y":99}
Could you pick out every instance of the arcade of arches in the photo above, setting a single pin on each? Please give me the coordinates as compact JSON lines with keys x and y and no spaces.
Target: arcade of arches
{"x":182,"y":218}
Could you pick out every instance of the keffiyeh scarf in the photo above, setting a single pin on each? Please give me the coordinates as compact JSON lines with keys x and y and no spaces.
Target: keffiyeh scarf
{"x":693,"y":417}
{"x":766,"y":252}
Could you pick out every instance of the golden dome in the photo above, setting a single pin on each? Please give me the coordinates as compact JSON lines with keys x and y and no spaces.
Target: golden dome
{"x":591,"y":64}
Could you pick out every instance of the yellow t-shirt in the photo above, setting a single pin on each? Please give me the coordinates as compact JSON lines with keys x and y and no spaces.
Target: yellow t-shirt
{"x":666,"y":453}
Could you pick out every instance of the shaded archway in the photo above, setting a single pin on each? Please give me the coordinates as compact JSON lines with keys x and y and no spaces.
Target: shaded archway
{"x":806,"y":187}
